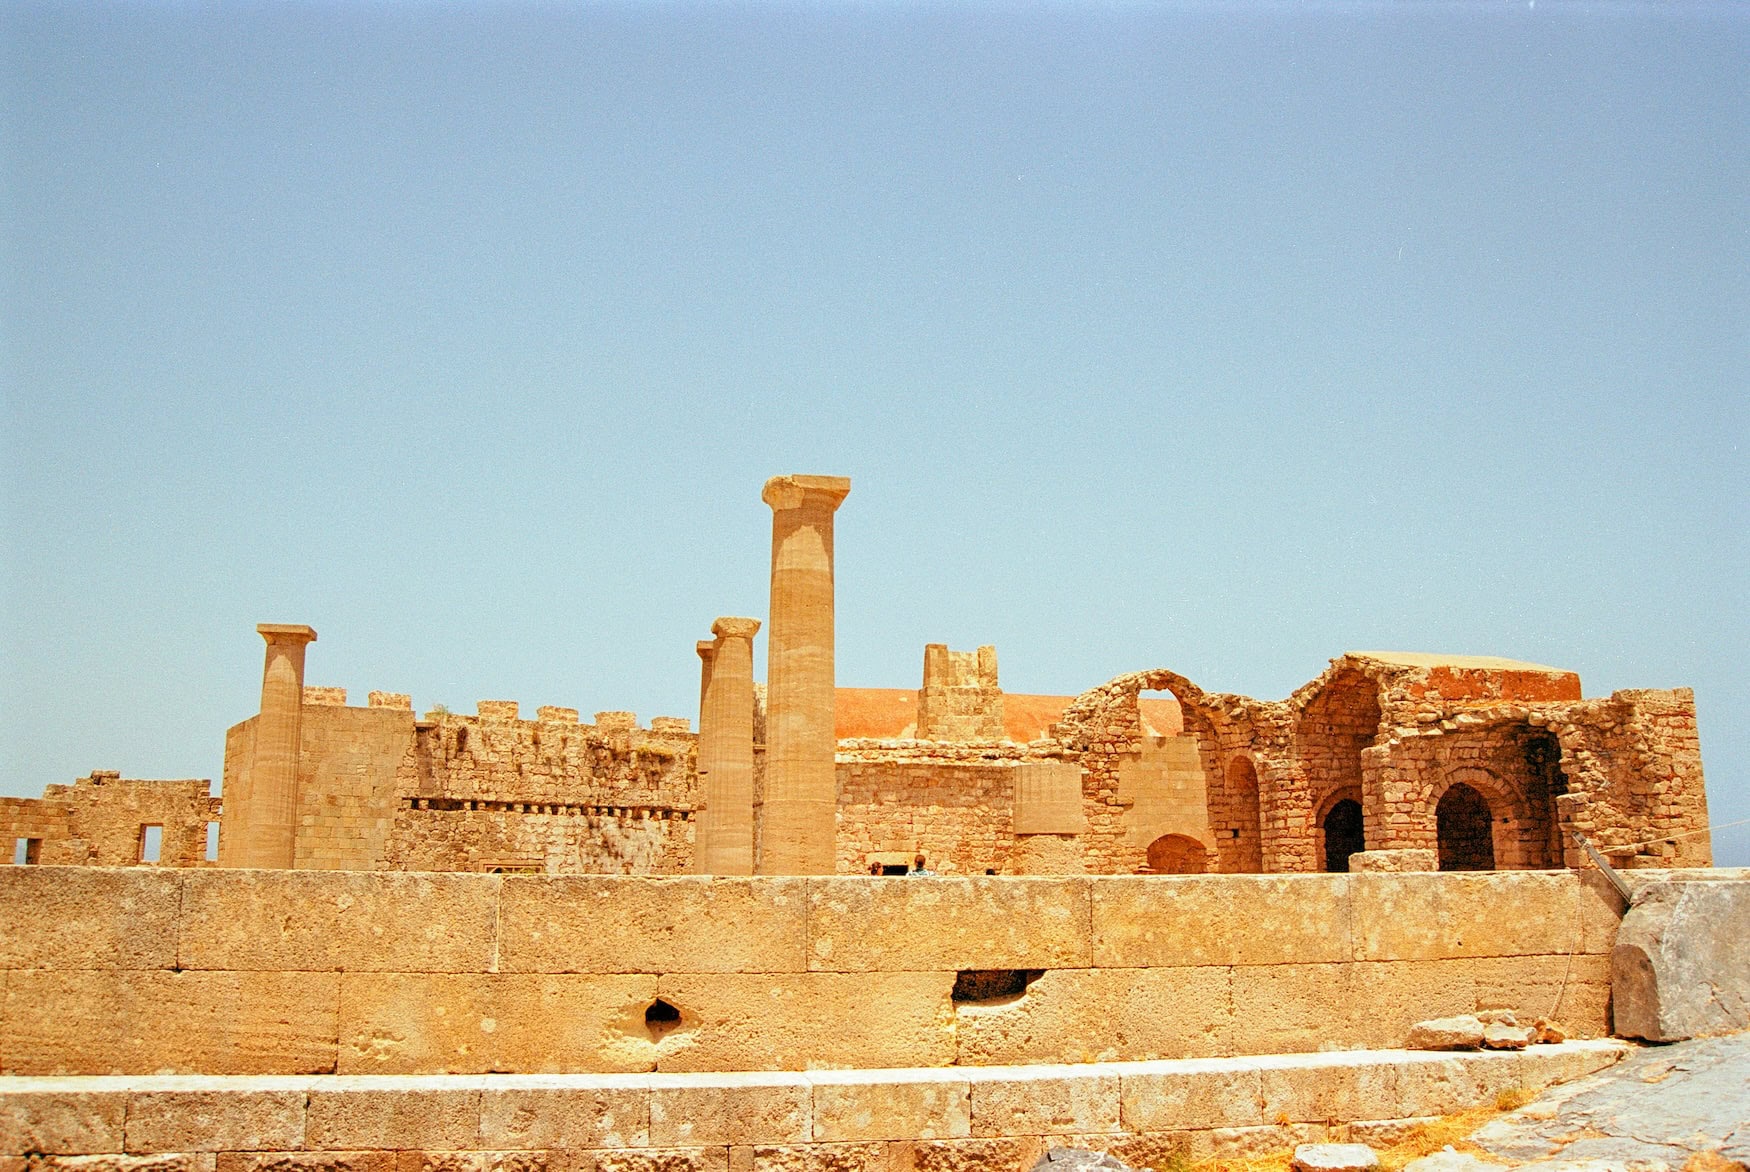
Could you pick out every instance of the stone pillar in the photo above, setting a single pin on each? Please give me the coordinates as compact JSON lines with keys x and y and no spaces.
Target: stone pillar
{"x":261,"y":823}
{"x":725,"y":840}
{"x":798,"y":834}
{"x":704,"y":755}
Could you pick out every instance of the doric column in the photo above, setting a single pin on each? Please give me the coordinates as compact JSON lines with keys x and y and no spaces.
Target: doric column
{"x":261,"y":823}
{"x":702,"y":825}
{"x":726,"y":830}
{"x":798,"y":832}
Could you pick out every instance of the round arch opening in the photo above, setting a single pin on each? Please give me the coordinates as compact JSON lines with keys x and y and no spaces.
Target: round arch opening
{"x":1343,"y":834}
{"x":1464,"y":830}
{"x":1177,"y":854}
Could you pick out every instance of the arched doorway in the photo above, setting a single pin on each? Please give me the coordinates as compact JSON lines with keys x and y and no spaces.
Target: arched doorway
{"x":1464,"y":831}
{"x":1176,"y":854}
{"x":1343,"y":833}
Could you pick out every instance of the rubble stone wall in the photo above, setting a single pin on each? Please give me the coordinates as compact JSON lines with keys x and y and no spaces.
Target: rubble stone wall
{"x":143,"y":970}
{"x":100,"y":820}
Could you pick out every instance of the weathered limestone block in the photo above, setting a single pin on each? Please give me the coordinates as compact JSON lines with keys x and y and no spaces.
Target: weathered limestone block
{"x":1464,"y":1032}
{"x":1501,"y":913}
{"x":146,"y":1022}
{"x":1334,"y":1158}
{"x":864,"y":1157}
{"x":1190,"y":920}
{"x":1048,"y":798}
{"x":157,"y":1162}
{"x":61,"y":1122}
{"x":1501,"y":1036}
{"x":756,"y":1107}
{"x":800,"y":1021}
{"x":1679,"y":968}
{"x":1079,"y":1160}
{"x":356,"y":1119}
{"x":1094,"y":1015}
{"x":305,"y":1162}
{"x":1390,"y":861}
{"x":1045,"y":1102}
{"x":383,"y":921}
{"x":1395,"y":995}
{"x":1293,"y":1008}
{"x":536,"y":1113}
{"x":877,"y":1105}
{"x":1572,"y":992}
{"x":1310,"y":1088}
{"x":643,"y":925}
{"x":967,"y":1155}
{"x":215,"y":1121}
{"x":413,"y":1161}
{"x":88,"y":917}
{"x":472,"y":1023}
{"x":1441,"y":1084}
{"x":1209,"y":1092}
{"x":859,"y":924}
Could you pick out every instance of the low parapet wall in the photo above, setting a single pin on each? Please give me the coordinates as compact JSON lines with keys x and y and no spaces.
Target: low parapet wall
{"x":136,"y":971}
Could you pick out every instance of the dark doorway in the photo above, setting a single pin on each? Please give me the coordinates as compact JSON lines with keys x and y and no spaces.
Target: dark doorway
{"x":1343,"y":834}
{"x":1462,"y":827}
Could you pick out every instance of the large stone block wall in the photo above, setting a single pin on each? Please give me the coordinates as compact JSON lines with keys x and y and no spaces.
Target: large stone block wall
{"x":133,"y":971}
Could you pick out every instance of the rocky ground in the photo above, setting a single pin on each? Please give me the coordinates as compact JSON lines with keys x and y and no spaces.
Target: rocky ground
{"x":1684,"y":1105}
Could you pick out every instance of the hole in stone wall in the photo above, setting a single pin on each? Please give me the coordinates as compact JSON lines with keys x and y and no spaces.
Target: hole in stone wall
{"x":151,"y":843}
{"x":660,"y":1017}
{"x":461,"y":741}
{"x":987,"y":986}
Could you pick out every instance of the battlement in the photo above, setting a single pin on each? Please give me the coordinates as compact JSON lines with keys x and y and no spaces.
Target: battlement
{"x":960,"y":699}
{"x":330,"y":697}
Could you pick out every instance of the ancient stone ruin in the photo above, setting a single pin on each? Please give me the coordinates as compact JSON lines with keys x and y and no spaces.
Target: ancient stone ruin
{"x":844,"y":928}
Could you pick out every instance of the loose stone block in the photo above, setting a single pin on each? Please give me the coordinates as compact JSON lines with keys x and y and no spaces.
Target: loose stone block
{"x":406,"y":1116}
{"x":1334,"y":1158}
{"x":68,"y":1122}
{"x":88,"y":917}
{"x":880,"y":1106}
{"x":731,"y":1108}
{"x":1464,"y":1032}
{"x":1679,"y":965}
{"x":1045,"y":1102}
{"x":531,"y":1112}
{"x":147,"y":1022}
{"x":644,"y":925}
{"x":215,"y":1121}
{"x":947,"y":923}
{"x":798,"y":1021}
{"x":1217,"y":1092}
{"x":1146,"y":922}
{"x":384,"y":921}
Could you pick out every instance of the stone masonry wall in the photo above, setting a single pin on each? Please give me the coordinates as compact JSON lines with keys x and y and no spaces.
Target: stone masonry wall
{"x":142,"y":970}
{"x":100,"y":820}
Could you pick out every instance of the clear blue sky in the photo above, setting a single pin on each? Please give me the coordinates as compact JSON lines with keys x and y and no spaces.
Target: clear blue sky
{"x":1216,"y":337}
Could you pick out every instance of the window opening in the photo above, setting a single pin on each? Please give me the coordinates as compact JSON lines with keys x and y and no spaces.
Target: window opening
{"x":151,"y":843}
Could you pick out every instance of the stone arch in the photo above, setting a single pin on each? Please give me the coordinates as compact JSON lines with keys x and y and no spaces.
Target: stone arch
{"x":1509,"y":815}
{"x":1177,"y":854}
{"x":1239,"y":837}
{"x":1464,"y":829}
{"x":1338,"y":720}
{"x":1339,"y":828}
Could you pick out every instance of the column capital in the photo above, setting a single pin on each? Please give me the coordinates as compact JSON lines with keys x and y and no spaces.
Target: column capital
{"x":792,"y":492}
{"x":730,"y":627}
{"x":707,"y":648}
{"x":295,"y":633}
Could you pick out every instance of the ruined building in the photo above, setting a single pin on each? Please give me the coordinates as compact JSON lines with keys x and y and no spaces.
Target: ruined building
{"x":1387,"y":760}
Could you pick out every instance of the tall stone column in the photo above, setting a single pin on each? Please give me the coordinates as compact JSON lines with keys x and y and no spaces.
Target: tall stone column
{"x":702,"y":825}
{"x":727,"y":829}
{"x":261,"y":824}
{"x":799,"y":831}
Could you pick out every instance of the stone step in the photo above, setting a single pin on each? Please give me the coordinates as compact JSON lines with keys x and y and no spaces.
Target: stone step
{"x":847,"y":1118}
